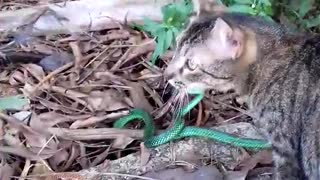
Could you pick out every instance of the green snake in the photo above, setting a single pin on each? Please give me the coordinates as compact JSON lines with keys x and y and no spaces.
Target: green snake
{"x":179,"y":130}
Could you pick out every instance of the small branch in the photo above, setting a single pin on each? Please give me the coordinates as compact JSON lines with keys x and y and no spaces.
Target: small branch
{"x":95,"y":134}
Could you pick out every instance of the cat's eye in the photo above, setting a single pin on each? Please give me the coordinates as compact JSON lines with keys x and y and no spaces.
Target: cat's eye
{"x":191,"y":64}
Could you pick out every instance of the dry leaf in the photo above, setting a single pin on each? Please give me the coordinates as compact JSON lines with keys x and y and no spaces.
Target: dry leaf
{"x":262,"y":157}
{"x":109,"y":100}
{"x":236,"y":175}
{"x":6,"y":171}
{"x":23,"y":152}
{"x":122,"y":142}
{"x":203,"y":173}
{"x":145,"y":154}
{"x":59,"y":158}
{"x":74,"y":153}
{"x":138,"y":98}
{"x":43,"y":49}
{"x":16,"y":78}
{"x":36,"y":142}
{"x":45,"y":120}
{"x":35,"y":70}
{"x":40,"y":168}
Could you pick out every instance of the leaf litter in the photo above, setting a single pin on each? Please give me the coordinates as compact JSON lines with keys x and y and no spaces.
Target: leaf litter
{"x":75,"y":91}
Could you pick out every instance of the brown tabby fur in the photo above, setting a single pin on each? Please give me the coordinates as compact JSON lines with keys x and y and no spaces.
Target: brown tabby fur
{"x":277,"y":70}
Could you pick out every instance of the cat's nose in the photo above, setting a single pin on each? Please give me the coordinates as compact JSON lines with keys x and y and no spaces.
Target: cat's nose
{"x":168,"y":76}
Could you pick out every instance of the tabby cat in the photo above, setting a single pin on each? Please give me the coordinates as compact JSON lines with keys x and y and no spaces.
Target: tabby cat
{"x":279,"y":72}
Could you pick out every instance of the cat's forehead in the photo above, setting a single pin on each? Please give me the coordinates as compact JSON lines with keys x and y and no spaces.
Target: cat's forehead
{"x":196,"y":33}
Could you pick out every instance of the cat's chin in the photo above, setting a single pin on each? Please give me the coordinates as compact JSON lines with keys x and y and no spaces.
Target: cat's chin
{"x":195,"y":88}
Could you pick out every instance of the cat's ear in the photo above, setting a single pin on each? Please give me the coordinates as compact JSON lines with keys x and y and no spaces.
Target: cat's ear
{"x":227,"y":39}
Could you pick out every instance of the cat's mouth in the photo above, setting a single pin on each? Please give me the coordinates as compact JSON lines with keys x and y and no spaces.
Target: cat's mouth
{"x":187,"y":87}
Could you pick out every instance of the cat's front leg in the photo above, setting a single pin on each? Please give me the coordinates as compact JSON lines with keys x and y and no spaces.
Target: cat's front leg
{"x":286,"y":167}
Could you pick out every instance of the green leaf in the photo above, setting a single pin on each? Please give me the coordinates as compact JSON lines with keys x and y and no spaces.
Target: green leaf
{"x":13,"y":102}
{"x":241,"y":9}
{"x":265,"y":2}
{"x":305,"y":7}
{"x":266,"y":16}
{"x":245,"y":2}
{"x":159,"y":47}
{"x":268,"y":10}
{"x":169,"y":39}
{"x":312,"y":22}
{"x":175,"y":32}
{"x":168,"y":12}
{"x":150,"y":26}
{"x":176,"y":14}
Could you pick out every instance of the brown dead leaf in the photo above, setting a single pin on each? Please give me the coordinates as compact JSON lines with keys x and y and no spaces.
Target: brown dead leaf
{"x":11,"y":136}
{"x":144,"y":47}
{"x":43,"y":49}
{"x":83,"y":159}
{"x":122,"y":142}
{"x":37,"y":142}
{"x":6,"y":171}
{"x":68,"y":92}
{"x":2,"y":131}
{"x":262,"y":157}
{"x":35,"y":70}
{"x":145,"y":154}
{"x":59,"y":159}
{"x":86,"y":46}
{"x":109,"y":100}
{"x":95,"y":119}
{"x":40,"y":168}
{"x":7,"y":90}
{"x":114,"y":35}
{"x":138,"y":98}
{"x":45,"y":120}
{"x":28,"y":90}
{"x":55,"y":106}
{"x":23,"y":152}
{"x":235,"y":175}
{"x":16,"y":78}
{"x":202,"y":173}
{"x":4,"y":75}
{"x":73,"y":154}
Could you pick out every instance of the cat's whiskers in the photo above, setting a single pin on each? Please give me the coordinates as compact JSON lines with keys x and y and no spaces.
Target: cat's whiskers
{"x":165,"y":89}
{"x":176,"y":100}
{"x":187,"y":99}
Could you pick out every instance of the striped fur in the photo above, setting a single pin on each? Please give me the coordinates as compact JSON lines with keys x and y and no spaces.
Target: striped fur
{"x":280,"y":77}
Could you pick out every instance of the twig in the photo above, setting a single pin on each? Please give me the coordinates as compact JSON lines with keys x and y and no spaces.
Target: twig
{"x":77,"y":54}
{"x":51,"y":75}
{"x":97,"y":66}
{"x":25,"y":170}
{"x":95,"y":119}
{"x":72,"y":95}
{"x":95,"y":134}
{"x":134,"y":52}
{"x":101,"y":157}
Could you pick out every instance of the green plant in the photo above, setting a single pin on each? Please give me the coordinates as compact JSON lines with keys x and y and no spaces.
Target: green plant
{"x":253,"y":7}
{"x":174,"y":17}
{"x":13,"y":102}
{"x":301,"y":14}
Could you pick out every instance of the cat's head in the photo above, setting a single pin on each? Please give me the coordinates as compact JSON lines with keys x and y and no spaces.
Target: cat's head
{"x":209,"y":54}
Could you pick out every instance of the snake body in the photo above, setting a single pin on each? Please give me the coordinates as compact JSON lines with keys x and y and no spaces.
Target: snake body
{"x":179,"y":130}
